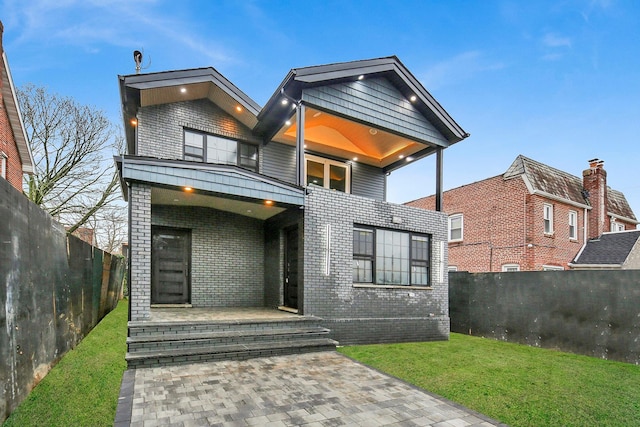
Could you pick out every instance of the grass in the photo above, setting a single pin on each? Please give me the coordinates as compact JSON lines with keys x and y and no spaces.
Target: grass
{"x":82,"y":389}
{"x":515,"y":384}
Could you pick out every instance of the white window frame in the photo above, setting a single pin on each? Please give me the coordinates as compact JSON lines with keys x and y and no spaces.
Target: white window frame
{"x":573,"y":225}
{"x":548,"y":218}
{"x":510,"y":268}
{"x":451,"y":218}
{"x":616,"y":227}
{"x":452,"y":268}
{"x":552,"y":268}
{"x":3,"y":165}
{"x":327,"y":170}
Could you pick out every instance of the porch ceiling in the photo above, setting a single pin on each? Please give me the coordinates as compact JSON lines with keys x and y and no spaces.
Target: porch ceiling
{"x":330,"y":134}
{"x":174,"y":197}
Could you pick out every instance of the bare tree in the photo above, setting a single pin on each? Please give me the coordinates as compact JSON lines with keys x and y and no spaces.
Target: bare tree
{"x":72,"y":145}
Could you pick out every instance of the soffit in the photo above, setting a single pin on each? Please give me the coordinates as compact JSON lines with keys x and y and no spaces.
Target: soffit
{"x":339,"y":137}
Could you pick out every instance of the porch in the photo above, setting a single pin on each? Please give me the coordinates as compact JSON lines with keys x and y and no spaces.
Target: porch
{"x":174,"y":335}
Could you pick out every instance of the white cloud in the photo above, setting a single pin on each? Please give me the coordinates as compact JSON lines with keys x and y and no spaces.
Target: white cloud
{"x":461,"y":67}
{"x":554,"y":40}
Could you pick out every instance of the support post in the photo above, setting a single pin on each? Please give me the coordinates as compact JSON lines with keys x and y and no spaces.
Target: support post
{"x":439,"y":153}
{"x":300,"y":145}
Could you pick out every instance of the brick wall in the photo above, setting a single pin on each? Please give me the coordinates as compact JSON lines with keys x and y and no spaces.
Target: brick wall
{"x":140,"y":225}
{"x":227,"y":255}
{"x":368,"y":315}
{"x":504,"y":224}
{"x":9,"y":149}
{"x":161,"y":127}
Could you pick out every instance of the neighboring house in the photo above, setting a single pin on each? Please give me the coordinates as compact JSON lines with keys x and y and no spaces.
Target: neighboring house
{"x":15,"y":154}
{"x":237,"y":205}
{"x":613,"y":250}
{"x":532,"y":217}
{"x":86,"y":234}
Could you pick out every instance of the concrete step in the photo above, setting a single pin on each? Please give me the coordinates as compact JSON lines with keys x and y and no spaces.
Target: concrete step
{"x":141,"y":359}
{"x":223,"y":337}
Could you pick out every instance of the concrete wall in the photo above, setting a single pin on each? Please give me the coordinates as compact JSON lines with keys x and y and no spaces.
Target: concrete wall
{"x":227,"y":255}
{"x":370,"y":314}
{"x":55,"y":290}
{"x":596,"y":313}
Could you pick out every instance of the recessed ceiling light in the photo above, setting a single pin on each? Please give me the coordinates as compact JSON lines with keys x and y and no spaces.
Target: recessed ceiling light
{"x":401,"y":156}
{"x":238,"y":109}
{"x":268,"y":202}
{"x":355,"y":159}
{"x":317,"y":114}
{"x":373,"y":131}
{"x":183,"y":90}
{"x":288,"y":123}
{"x":408,"y":159}
{"x":284,"y":101}
{"x":413,"y":98}
{"x":360,"y":77}
{"x":305,"y":145}
{"x":188,"y":189}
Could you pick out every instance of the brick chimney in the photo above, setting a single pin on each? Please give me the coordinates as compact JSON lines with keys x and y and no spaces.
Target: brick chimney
{"x":594,"y":181}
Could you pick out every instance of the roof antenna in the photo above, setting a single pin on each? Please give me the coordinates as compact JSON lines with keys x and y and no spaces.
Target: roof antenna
{"x":137,"y":57}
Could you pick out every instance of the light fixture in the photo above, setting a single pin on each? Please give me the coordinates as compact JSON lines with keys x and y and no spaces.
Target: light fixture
{"x":288,"y":123}
{"x":284,"y":101}
{"x":188,"y":189}
{"x":413,"y":98}
{"x":317,"y":114}
{"x":238,"y":109}
{"x":361,"y":76}
{"x":305,"y":145}
{"x":373,"y":131}
{"x":183,"y":90}
{"x":355,"y":159}
{"x":134,"y":122}
{"x":409,"y":159}
{"x":268,"y":202}
{"x":401,"y":156}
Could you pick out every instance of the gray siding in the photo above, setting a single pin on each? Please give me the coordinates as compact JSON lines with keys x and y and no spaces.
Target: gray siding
{"x":278,"y":161}
{"x":227,"y":255}
{"x":368,"y":181}
{"x":371,"y":314}
{"x":378,"y":102}
{"x":160,"y":127}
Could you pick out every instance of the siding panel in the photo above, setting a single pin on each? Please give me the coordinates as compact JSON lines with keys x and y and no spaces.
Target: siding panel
{"x":368,"y":181}
{"x":279,"y":161}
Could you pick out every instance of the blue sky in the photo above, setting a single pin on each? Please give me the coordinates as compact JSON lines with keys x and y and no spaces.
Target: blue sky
{"x":557,"y":81}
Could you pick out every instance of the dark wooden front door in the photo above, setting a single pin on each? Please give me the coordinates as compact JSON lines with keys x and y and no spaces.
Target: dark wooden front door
{"x":291,"y":269}
{"x":170,"y":261}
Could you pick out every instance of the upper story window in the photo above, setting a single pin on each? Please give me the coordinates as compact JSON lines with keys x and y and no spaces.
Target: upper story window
{"x":573,"y":225}
{"x":510,"y":267}
{"x":548,"y":219}
{"x":456,"y":223}
{"x":203,"y":147}
{"x":616,"y":226}
{"x":3,"y":165}
{"x":388,"y":257}
{"x":552,"y":268}
{"x":328,"y":173}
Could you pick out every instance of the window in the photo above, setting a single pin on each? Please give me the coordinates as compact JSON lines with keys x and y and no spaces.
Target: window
{"x":615,"y":226}
{"x":202,"y":147}
{"x":573,"y":225}
{"x":510,"y":267}
{"x":3,"y":165}
{"x":455,"y":228}
{"x":548,"y":219}
{"x":552,"y":268}
{"x":328,"y":173}
{"x":453,"y":268}
{"x":387,"y":257}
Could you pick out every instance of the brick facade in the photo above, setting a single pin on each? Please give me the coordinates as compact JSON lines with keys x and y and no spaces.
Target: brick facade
{"x":370,"y":314}
{"x":503,"y":223}
{"x":140,"y":252}
{"x":9,"y":150}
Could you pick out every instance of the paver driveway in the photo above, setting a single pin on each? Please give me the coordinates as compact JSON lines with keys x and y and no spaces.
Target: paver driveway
{"x":316,"y":389}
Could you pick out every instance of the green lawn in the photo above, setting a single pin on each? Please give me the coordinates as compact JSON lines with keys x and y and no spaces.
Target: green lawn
{"x":515,"y":384}
{"x":82,"y":389}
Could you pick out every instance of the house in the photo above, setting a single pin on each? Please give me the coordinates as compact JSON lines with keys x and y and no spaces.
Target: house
{"x":611,"y":251}
{"x":15,"y":154}
{"x":235,"y":205}
{"x":532,"y":217}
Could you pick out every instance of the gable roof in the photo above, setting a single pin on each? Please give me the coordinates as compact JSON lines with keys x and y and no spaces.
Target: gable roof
{"x":15,"y":118}
{"x":609,"y":248}
{"x":551,"y":182}
{"x":271,"y":117}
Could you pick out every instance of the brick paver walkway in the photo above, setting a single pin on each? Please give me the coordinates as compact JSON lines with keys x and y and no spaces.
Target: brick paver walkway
{"x":316,"y":389}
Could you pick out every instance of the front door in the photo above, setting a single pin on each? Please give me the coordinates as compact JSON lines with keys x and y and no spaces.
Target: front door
{"x":170,"y":261}
{"x":291,"y":269}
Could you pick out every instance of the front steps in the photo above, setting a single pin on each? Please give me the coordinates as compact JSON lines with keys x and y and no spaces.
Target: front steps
{"x":167,"y":343}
